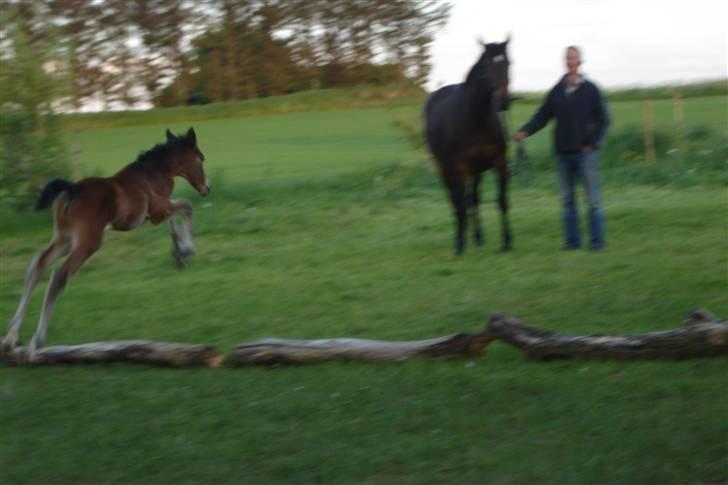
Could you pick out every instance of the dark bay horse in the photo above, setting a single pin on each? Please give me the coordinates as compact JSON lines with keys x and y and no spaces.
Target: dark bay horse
{"x":466,"y":138}
{"x":84,"y":210}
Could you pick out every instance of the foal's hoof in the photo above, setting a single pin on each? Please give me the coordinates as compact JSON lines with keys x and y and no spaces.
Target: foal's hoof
{"x":26,"y":356}
{"x":29,"y":352}
{"x":180,"y":260}
{"x":7,"y":345}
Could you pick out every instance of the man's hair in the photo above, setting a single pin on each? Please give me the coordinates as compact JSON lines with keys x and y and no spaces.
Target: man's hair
{"x":578,"y":51}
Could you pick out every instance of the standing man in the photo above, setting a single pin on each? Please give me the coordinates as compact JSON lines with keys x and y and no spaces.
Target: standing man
{"x":581,"y":122}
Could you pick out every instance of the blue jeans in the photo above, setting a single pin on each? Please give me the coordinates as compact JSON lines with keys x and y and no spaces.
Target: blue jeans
{"x":584,"y":166}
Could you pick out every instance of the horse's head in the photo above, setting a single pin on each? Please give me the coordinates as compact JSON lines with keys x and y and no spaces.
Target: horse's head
{"x":188,"y":159}
{"x":491,"y":70}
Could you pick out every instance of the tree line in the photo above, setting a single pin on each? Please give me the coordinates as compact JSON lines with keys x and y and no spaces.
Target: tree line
{"x":178,"y":52}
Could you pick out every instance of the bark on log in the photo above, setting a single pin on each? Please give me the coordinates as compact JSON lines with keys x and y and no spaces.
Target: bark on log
{"x":284,"y":351}
{"x":703,"y":335}
{"x":166,"y":354}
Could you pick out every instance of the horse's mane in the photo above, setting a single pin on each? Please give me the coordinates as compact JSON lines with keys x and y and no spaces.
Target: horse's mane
{"x":475,"y":73}
{"x":492,"y":49}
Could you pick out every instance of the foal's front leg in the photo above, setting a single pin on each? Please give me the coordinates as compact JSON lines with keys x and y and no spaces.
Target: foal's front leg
{"x":182,"y":245}
{"x":181,"y":231}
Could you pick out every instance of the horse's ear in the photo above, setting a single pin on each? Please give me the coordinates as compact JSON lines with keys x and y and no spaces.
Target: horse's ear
{"x":508,"y":38}
{"x":191,"y":136}
{"x":170,"y":136}
{"x":481,"y":42}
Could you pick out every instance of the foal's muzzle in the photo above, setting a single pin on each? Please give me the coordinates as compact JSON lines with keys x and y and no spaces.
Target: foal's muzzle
{"x":205,"y":189}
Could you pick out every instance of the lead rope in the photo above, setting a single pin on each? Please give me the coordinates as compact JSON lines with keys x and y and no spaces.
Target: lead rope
{"x":521,"y":166}
{"x":522,"y":162}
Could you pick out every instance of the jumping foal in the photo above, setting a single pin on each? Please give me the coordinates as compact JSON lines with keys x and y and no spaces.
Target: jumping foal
{"x":84,"y":210}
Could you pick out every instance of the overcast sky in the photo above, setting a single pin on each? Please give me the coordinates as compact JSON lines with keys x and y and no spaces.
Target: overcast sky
{"x":624,"y":42}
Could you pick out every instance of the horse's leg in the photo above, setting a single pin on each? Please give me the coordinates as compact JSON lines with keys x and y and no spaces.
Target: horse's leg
{"x":87,"y":242}
{"x":474,"y":208}
{"x":35,"y":271}
{"x":503,"y":205}
{"x":456,"y":188}
{"x":182,"y":244}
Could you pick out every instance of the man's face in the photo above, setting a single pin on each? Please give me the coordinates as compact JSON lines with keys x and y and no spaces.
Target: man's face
{"x":573,"y":60}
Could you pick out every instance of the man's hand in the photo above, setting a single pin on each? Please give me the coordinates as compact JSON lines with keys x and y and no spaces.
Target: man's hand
{"x":587,"y":148}
{"x":520,"y":136}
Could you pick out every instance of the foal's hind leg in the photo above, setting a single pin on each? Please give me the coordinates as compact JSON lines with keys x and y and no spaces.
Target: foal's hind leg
{"x":182,"y":245}
{"x":35,"y":271}
{"x":87,"y":243}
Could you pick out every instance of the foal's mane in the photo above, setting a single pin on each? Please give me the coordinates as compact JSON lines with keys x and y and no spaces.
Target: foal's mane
{"x":156,"y":155}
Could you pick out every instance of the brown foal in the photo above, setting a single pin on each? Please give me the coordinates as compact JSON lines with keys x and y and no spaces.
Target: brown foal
{"x":84,"y":210}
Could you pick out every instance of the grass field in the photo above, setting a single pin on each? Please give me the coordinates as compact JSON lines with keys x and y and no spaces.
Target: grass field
{"x":343,"y":140}
{"x":328,"y":224}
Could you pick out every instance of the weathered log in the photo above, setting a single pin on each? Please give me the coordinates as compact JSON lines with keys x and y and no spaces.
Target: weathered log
{"x":703,"y":335}
{"x":283,"y":351}
{"x":166,"y":354}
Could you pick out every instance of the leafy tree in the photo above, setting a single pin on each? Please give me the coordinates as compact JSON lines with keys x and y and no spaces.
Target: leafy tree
{"x":177,"y":52}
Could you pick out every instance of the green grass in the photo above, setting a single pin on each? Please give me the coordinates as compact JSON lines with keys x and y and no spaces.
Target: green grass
{"x":264,"y":147}
{"x":349,"y":98}
{"x":312,"y":143}
{"x":330,"y":225}
{"x":318,"y":100}
{"x":702,"y":157}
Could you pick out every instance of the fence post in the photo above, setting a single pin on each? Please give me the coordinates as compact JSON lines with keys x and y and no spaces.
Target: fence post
{"x":649,"y":130}
{"x":678,"y":119}
{"x":76,"y":167}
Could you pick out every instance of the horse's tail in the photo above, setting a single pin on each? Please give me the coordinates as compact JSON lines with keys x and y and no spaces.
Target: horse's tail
{"x":52,"y":189}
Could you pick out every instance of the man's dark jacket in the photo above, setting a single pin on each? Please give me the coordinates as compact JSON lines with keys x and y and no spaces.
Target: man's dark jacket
{"x":582,"y":117}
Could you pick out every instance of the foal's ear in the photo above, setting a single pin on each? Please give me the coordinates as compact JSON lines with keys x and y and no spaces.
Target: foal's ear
{"x":191,"y":136}
{"x":170,"y":136}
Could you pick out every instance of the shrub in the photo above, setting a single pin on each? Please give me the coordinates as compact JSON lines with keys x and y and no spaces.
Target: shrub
{"x":32,"y":148}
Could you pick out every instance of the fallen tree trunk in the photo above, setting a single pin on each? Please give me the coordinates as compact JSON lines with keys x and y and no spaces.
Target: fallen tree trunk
{"x":702,"y":335}
{"x":283,"y":351}
{"x":139,"y":351}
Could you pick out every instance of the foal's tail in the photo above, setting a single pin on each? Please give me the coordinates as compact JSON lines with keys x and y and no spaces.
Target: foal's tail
{"x":52,"y":190}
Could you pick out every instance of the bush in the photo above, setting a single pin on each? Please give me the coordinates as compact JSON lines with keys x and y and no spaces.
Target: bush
{"x":31,"y":145}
